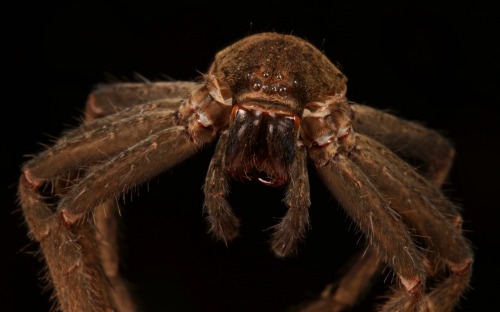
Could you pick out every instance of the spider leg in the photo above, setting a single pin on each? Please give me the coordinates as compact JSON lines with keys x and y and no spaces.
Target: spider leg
{"x":383,"y":227}
{"x":347,"y":291}
{"x":407,"y":139}
{"x":426,"y":210}
{"x":293,"y":226}
{"x":222,"y":221}
{"x":97,"y":141}
{"x":136,"y":165}
{"x":80,"y":264}
{"x":204,"y":116}
{"x":420,"y":203}
{"x":106,"y":232}
{"x":326,"y":132}
{"x":57,"y":166}
{"x":412,"y":141}
{"x":130,"y":99}
{"x":104,"y":137}
{"x":75,"y":277}
{"x":108,"y":99}
{"x":53,"y":229}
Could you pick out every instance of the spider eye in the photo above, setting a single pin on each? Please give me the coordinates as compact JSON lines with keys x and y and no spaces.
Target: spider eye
{"x":282,"y":90}
{"x":256,"y":85}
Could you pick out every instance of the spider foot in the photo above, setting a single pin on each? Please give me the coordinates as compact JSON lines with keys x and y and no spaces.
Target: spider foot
{"x":284,"y":244}
{"x":223,"y":224}
{"x":289,"y":233}
{"x":224,"y":230}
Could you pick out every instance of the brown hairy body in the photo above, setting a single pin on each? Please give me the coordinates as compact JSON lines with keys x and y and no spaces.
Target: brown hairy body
{"x":271,"y":103}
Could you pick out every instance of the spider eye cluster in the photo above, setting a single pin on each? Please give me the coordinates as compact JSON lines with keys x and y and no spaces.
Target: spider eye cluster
{"x":263,"y":80}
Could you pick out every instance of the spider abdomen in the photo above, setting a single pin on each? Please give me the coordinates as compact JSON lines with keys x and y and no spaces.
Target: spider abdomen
{"x":261,"y":143}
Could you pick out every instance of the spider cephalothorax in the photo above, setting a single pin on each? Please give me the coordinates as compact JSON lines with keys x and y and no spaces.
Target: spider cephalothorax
{"x":272,"y":103}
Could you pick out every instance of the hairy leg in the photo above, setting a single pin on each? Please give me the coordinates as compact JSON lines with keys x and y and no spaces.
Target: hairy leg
{"x":420,"y":204}
{"x":383,"y":228}
{"x":408,"y":139}
{"x":149,"y":157}
{"x":353,"y":284}
{"x":292,"y":228}
{"x":130,"y":99}
{"x":327,"y":131}
{"x":223,"y":224}
{"x":93,"y":161}
{"x":108,"y":99}
{"x":106,"y":232}
{"x":79,"y":283}
{"x":130,"y":168}
{"x":98,"y":141}
{"x":435,"y":219}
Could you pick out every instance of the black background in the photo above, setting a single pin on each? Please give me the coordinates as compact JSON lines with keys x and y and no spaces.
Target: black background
{"x":429,"y":64}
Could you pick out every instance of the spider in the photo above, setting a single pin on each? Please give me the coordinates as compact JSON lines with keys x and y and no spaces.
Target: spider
{"x":272,"y":104}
